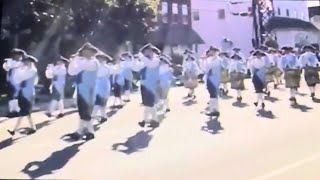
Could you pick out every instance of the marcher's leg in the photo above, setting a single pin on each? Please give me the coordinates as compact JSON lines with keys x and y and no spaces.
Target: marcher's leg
{"x":61,"y":107}
{"x":18,"y":123}
{"x":32,"y":126}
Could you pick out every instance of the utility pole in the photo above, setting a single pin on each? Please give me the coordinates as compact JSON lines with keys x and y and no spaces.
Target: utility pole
{"x":262,"y":11}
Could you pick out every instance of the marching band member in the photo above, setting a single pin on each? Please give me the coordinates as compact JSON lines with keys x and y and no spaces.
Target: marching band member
{"x":11,"y":65}
{"x":58,"y":74}
{"x":258,"y":67}
{"x":238,"y":72}
{"x":291,"y":66}
{"x":118,"y":83}
{"x":190,"y":71}
{"x":165,"y":77}
{"x":237,"y":51}
{"x":103,"y":86}
{"x":275,"y":70}
{"x":128,"y":75}
{"x":149,"y":72}
{"x":225,"y":78}
{"x":309,"y":62}
{"x":212,"y":68}
{"x":85,"y":67}
{"x":27,"y":78}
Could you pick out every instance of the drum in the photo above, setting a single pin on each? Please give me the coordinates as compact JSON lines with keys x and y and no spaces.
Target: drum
{"x":190,"y":80}
{"x":224,"y":76}
{"x":236,"y":80}
{"x":311,"y":76}
{"x":270,"y":74}
{"x":292,"y":78}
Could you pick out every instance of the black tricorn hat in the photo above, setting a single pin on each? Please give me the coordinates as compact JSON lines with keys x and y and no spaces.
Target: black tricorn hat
{"x":211,"y":48}
{"x":236,"y":57}
{"x":125,"y":54}
{"x":88,"y":46}
{"x":150,"y":46}
{"x":308,"y":47}
{"x":224,"y":54}
{"x":287,"y":48}
{"x":104,"y":56}
{"x":30,"y":59}
{"x":61,"y":58}
{"x":259,"y":53}
{"x":18,"y":51}
{"x":236,"y":49}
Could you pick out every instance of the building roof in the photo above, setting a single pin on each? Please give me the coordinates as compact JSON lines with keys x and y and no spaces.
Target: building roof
{"x":285,"y":23}
{"x":175,"y":34}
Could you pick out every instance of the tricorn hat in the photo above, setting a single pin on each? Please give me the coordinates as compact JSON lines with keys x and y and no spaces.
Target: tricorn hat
{"x":188,"y":51}
{"x":125,"y":54}
{"x":30,"y":59}
{"x":308,"y":47}
{"x":104,"y":57}
{"x":88,"y":46}
{"x":287,"y":48}
{"x":259,"y":53}
{"x":211,"y":48}
{"x":152,"y":47}
{"x":224,"y":54}
{"x":272,"y":50}
{"x":236,"y":57}
{"x":18,"y":52}
{"x":236,"y":49}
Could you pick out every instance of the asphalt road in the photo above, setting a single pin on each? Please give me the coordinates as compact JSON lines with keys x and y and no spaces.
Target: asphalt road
{"x":279,"y":144}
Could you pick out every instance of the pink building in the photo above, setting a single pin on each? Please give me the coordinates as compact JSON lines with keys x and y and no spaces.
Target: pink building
{"x":215,"y":19}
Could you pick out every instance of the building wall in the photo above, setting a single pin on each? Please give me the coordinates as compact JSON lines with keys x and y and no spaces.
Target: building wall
{"x":237,"y":28}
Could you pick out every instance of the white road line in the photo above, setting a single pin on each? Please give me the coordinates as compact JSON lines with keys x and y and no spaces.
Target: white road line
{"x":288,"y":167}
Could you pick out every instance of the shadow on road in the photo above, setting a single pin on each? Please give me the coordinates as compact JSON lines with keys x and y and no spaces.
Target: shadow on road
{"x":271,"y":99}
{"x":302,"y":108}
{"x":134,"y":143}
{"x":240,"y":104}
{"x":316,"y":100}
{"x":302,"y":94}
{"x":266,"y":114}
{"x":189,"y":102}
{"x":57,"y":160}
{"x":213,"y":126}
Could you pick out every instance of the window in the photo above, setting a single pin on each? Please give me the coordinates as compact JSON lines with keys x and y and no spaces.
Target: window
{"x":175,"y":8}
{"x":221,"y":14}
{"x":279,"y":11}
{"x":185,"y":17}
{"x":287,"y":12}
{"x":196,"y":15}
{"x":164,"y":8}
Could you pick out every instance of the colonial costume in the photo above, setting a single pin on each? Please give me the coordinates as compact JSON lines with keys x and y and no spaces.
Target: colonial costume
{"x":149,"y":79}
{"x":11,"y":65}
{"x":238,"y":72}
{"x":292,"y":76}
{"x":237,"y":51}
{"x":310,"y":64}
{"x":103,"y":86}
{"x":274,"y":71}
{"x":27,"y":78}
{"x":212,"y":69}
{"x":190,"y":71}
{"x":258,"y":68}
{"x":85,"y":67}
{"x":57,"y":73}
{"x":165,"y":77}
{"x":118,"y":83}
{"x":225,"y":78}
{"x":126,"y":65}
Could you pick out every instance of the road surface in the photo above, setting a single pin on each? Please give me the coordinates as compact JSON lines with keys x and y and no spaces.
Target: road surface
{"x":280,"y":144}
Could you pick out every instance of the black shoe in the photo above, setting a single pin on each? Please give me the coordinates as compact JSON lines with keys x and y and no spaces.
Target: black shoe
{"x":239,"y":99}
{"x":48,"y":114}
{"x":256,"y":104}
{"x":268,"y":93}
{"x":88,"y":136}
{"x":275,"y":86}
{"x":12,"y":114}
{"x":74,"y":136}
{"x":60,"y":115}
{"x":226,"y":92}
{"x":126,"y":101}
{"x":154,"y":124}
{"x":263,"y":105}
{"x":142,"y":123}
{"x":313,"y":95}
{"x":31,"y":131}
{"x":119,"y":106}
{"x":194,"y":97}
{"x":12,"y":133}
{"x":293,"y":100}
{"x":216,"y":113}
{"x":168,"y":110}
{"x":104,"y":119}
{"x":189,"y":95}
